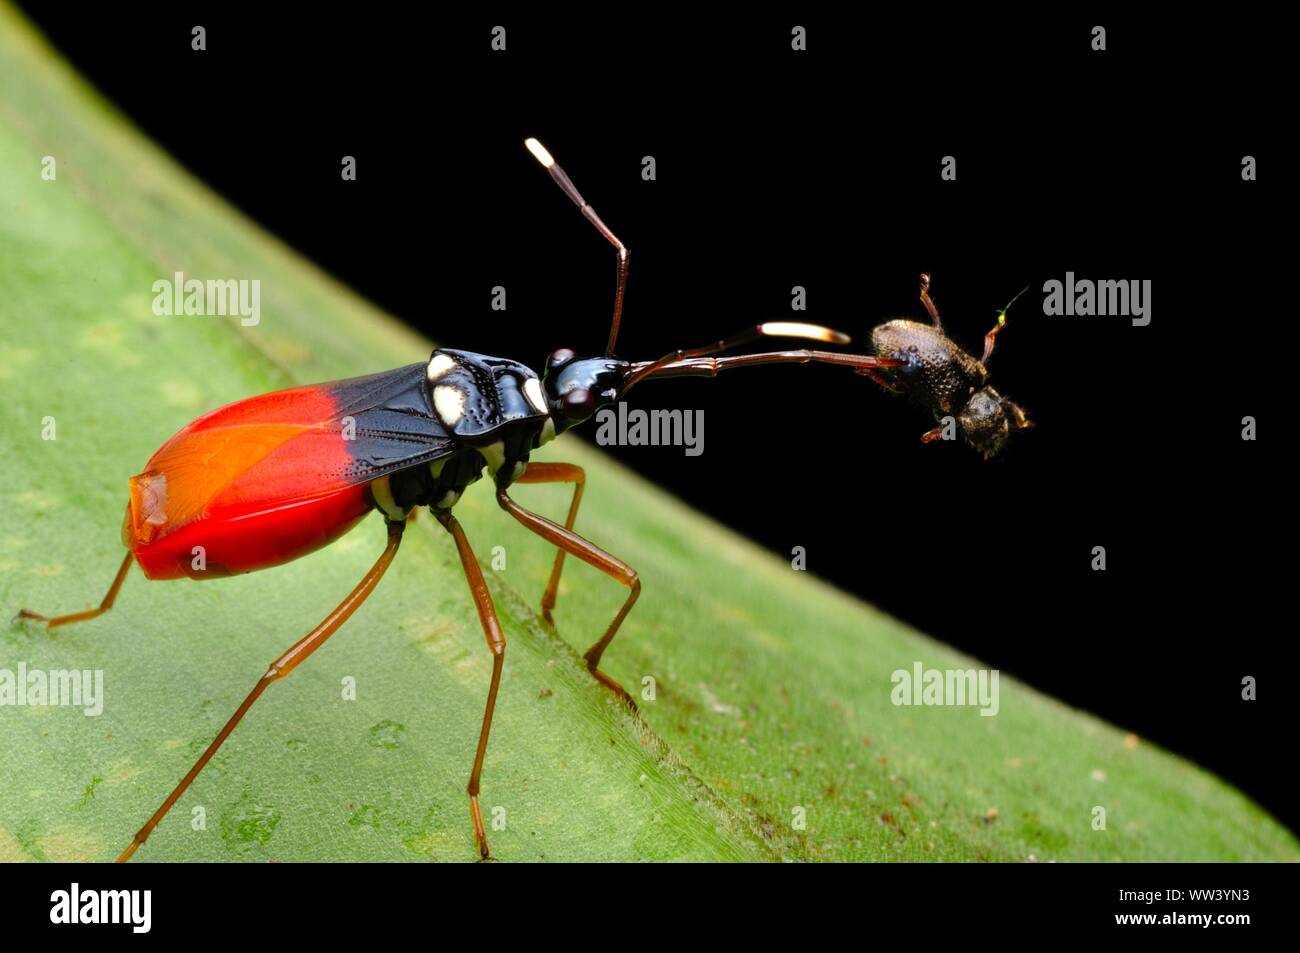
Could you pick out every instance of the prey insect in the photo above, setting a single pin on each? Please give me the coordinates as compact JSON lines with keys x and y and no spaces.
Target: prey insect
{"x":271,"y":478}
{"x":950,"y":383}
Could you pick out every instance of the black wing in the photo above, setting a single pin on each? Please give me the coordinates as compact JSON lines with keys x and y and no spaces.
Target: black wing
{"x":387,"y":423}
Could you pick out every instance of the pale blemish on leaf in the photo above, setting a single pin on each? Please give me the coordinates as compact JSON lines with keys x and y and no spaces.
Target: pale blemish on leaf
{"x":47,"y":569}
{"x":71,"y":845}
{"x":108,"y":339}
{"x":769,"y":640}
{"x":354,"y":541}
{"x":182,"y":394}
{"x":37,"y":499}
{"x":285,"y":350}
{"x":436,"y":845}
{"x":139,"y":307}
{"x":715,"y":705}
{"x":14,"y":359}
{"x":727,"y":612}
{"x":11,"y":543}
{"x":438,"y":633}
{"x":122,"y":771}
{"x":11,"y":852}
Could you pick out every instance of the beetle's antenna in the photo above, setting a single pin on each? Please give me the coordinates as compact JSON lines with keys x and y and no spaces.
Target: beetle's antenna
{"x":1002,"y":320}
{"x":768,"y":329}
{"x":1002,"y":315}
{"x":566,"y":184}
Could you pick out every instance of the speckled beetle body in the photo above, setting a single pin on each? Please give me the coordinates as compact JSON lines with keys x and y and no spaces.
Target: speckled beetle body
{"x":947,"y":381}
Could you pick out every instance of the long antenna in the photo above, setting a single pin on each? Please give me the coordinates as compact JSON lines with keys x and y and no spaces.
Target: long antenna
{"x":566,"y":184}
{"x":1002,"y":315}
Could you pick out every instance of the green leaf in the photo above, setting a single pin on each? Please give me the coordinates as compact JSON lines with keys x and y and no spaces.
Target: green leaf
{"x":772,"y":689}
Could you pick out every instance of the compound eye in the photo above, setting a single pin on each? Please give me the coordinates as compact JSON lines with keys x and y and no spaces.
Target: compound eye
{"x":579,"y":404}
{"x":559,"y":358}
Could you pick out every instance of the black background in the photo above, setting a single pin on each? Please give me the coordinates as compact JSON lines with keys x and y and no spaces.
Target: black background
{"x":821,"y":169}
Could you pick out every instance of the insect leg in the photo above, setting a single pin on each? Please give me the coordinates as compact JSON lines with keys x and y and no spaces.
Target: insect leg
{"x":281,"y":667}
{"x":876,"y":376}
{"x":990,"y":338}
{"x":557,"y":473}
{"x":1001,"y":323}
{"x":104,"y":606}
{"x":929,"y":305}
{"x":593,"y":555}
{"x":497,"y":644}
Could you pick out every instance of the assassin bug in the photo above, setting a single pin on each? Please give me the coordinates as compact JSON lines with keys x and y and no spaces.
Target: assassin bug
{"x":947,"y":381}
{"x":265,"y":480}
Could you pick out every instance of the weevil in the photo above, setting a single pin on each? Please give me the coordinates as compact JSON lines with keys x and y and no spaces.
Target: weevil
{"x":944,"y":379}
{"x":268,"y":479}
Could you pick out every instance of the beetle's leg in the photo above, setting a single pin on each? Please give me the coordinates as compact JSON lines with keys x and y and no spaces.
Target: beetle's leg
{"x":496,"y":644}
{"x":929,"y":305}
{"x":991,"y":337}
{"x":556,"y":473}
{"x":281,"y":667}
{"x":1002,"y":320}
{"x":104,"y":606}
{"x":876,"y":376}
{"x":593,"y":555}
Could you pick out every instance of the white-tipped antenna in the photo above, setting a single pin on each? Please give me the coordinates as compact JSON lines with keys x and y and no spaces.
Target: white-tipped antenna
{"x":539,"y":152}
{"x":773,"y":329}
{"x":797,"y":329}
{"x":543,"y":156}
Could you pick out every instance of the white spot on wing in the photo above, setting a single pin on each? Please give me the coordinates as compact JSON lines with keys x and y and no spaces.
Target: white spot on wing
{"x":439,"y":364}
{"x":449,"y":402}
{"x":533,"y":391}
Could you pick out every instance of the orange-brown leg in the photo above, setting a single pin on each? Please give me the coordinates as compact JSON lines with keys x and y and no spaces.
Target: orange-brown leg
{"x":104,"y":606}
{"x":496,"y":641}
{"x":281,"y":667}
{"x":929,"y":303}
{"x":593,"y":555}
{"x":990,"y":338}
{"x":557,"y":473}
{"x":878,"y":378}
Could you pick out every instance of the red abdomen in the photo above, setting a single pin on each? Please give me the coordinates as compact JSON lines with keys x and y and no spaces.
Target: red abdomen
{"x":251,"y":485}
